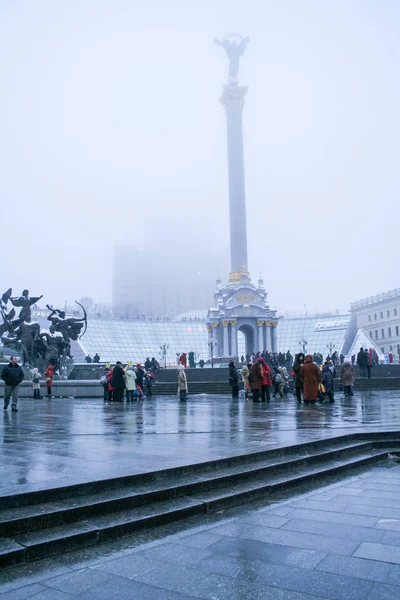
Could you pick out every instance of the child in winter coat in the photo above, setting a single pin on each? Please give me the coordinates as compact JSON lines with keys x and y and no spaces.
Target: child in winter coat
{"x":36,"y":383}
{"x":49,"y":374}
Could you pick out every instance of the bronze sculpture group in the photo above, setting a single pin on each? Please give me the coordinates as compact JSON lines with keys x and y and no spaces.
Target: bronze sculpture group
{"x":39,"y":347}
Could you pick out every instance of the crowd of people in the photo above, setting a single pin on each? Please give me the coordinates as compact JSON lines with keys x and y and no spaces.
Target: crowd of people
{"x":129,"y":380}
{"x":313,"y":382}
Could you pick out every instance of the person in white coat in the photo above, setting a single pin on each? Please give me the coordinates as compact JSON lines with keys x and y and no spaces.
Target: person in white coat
{"x":130,"y":384}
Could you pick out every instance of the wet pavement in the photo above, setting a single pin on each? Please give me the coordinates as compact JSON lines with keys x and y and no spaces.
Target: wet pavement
{"x":64,"y":441}
{"x":339,"y":542}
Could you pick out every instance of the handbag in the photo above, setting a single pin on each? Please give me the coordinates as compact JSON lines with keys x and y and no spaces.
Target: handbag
{"x":321,"y":388}
{"x":47,"y":379}
{"x":36,"y":380}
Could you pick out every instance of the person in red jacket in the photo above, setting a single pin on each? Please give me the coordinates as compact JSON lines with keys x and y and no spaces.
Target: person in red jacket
{"x":110,"y":387}
{"x":266,"y":381}
{"x":48,"y":375}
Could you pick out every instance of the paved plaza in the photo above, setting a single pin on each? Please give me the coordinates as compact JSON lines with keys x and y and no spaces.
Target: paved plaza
{"x":63,"y":441}
{"x":340,"y":542}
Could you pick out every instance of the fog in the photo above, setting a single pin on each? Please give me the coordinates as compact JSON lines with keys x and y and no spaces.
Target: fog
{"x":111,"y":130}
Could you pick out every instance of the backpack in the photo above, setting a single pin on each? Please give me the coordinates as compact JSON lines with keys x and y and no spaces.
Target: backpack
{"x":278,"y":378}
{"x":103,"y":379}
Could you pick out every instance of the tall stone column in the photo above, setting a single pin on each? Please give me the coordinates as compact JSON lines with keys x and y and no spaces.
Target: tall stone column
{"x":274,"y":340}
{"x":268,"y":331}
{"x":225,"y":352}
{"x":233,"y":101}
{"x":260,"y":335}
{"x":234,"y":349}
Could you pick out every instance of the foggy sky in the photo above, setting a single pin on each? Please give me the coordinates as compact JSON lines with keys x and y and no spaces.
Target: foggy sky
{"x":111,"y":130}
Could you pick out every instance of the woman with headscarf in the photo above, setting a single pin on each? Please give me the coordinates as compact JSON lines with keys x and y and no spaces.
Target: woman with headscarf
{"x":233,"y":380}
{"x":311,"y":377}
{"x":298,"y":384}
{"x":182,"y":382}
{"x":347,"y":375}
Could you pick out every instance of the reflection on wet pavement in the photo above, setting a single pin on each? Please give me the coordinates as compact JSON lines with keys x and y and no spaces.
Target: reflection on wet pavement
{"x":63,"y":441}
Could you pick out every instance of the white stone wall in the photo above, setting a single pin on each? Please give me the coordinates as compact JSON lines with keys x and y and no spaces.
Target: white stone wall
{"x":382,"y":320}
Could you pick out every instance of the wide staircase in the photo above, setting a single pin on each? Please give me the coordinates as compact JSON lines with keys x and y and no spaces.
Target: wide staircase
{"x":51,"y":521}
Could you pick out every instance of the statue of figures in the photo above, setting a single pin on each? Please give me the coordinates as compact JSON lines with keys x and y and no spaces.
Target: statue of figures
{"x":234,"y":49}
{"x":69,"y":328}
{"x":25,"y":301}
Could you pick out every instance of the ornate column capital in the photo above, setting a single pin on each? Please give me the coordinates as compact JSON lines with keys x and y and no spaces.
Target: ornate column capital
{"x":225,"y":323}
{"x":214,"y":325}
{"x":274,"y":324}
{"x":233,"y":323}
{"x":233,"y":96}
{"x":268,"y":323}
{"x":260,"y":322}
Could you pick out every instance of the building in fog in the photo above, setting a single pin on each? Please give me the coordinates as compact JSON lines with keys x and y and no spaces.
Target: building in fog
{"x":126,"y":260}
{"x":379,"y":317}
{"x":161,"y":282}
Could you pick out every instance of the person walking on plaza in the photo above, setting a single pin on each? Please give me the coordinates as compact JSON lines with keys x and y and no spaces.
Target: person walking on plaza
{"x":256,"y":380}
{"x":182,"y":383}
{"x":110,"y":389}
{"x":118,"y":382}
{"x":12,"y":375}
{"x":311,"y":378}
{"x":362,"y":362}
{"x":36,"y":383}
{"x":130,"y":383}
{"x":347,"y":375}
{"x":266,"y":381}
{"x":298,"y":384}
{"x":48,"y":379}
{"x":245,"y":373}
{"x":327,"y":380}
{"x":233,"y":380}
{"x":149,"y":383}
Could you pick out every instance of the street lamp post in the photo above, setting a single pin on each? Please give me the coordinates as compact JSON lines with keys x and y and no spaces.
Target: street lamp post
{"x":303,"y":344}
{"x":164,"y":349}
{"x":330,"y":346}
{"x":212,"y":346}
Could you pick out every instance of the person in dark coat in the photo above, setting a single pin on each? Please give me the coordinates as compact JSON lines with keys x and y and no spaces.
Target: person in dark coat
{"x":362,"y":362}
{"x":12,"y":375}
{"x":256,"y":380}
{"x":327,"y":380}
{"x":96,"y":358}
{"x":311,"y":378}
{"x":298,"y":384}
{"x":139,"y":376}
{"x":118,"y":382}
{"x":88,"y":358}
{"x":233,"y":380}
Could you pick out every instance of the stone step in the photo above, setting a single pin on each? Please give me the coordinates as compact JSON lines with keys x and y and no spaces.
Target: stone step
{"x":97,"y":528}
{"x":20,"y":520}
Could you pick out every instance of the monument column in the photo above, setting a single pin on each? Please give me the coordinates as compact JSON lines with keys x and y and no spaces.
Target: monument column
{"x":225,"y":352}
{"x":269,"y":343}
{"x":274,"y":337}
{"x":234,"y":351}
{"x":233,"y":101}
